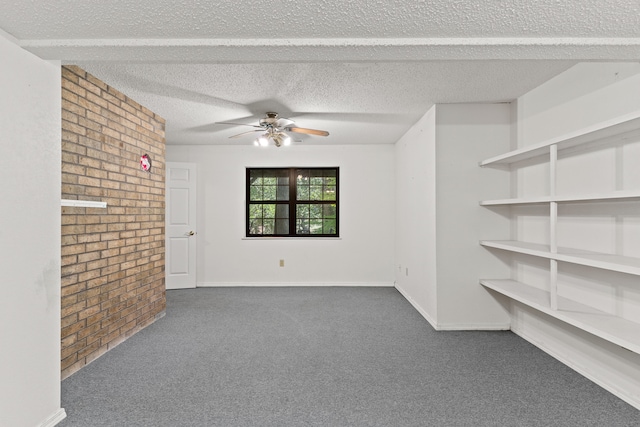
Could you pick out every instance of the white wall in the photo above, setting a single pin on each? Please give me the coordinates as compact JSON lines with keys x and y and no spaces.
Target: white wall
{"x":584,"y":95}
{"x":439,"y":221}
{"x":416,"y":216}
{"x":30,"y":238}
{"x":467,"y":134}
{"x":362,"y":256}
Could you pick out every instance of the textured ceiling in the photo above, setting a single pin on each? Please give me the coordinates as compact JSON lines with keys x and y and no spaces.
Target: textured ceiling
{"x":355,"y":102}
{"x":130,"y":19}
{"x":364,"y":70}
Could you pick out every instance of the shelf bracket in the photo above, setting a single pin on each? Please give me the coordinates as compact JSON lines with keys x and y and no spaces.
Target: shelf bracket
{"x":553,"y":284}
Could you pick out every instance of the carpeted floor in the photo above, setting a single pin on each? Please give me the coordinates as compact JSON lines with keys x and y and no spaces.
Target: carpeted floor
{"x":326,"y":357}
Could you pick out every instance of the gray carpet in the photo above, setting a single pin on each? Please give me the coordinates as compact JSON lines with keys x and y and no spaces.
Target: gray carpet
{"x":326,"y":357}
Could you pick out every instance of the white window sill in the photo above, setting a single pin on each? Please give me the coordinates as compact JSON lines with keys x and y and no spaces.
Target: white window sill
{"x":291,"y":238}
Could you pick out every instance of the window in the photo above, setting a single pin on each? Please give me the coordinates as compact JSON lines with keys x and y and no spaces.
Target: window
{"x":293,"y":202}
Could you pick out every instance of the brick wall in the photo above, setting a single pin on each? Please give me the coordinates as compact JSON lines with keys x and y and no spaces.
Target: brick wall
{"x":113,"y":258}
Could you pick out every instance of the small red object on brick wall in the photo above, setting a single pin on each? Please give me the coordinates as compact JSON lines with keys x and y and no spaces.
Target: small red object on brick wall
{"x":145,"y":163}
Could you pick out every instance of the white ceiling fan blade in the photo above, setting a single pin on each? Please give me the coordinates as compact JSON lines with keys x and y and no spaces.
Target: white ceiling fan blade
{"x":283,"y":123}
{"x":238,"y":124}
{"x":245,"y":133}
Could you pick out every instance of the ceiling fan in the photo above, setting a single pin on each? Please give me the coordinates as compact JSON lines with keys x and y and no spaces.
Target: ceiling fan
{"x":274,"y":128}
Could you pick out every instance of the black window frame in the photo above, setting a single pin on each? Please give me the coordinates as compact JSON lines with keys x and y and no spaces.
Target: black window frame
{"x":293,"y":202}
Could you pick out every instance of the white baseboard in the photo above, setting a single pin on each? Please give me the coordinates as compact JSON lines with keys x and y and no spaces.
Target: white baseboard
{"x":415,"y":305}
{"x":631,"y":398}
{"x":453,"y":326}
{"x":473,"y":327}
{"x":285,"y":284}
{"x":54,"y":419}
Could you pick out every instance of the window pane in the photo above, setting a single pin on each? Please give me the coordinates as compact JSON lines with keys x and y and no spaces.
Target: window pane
{"x":255,"y":193}
{"x":329,"y":211}
{"x":302,"y":226}
{"x":269,"y":192}
{"x":255,"y":226}
{"x":316,"y":218}
{"x":315,"y":211}
{"x":255,"y":177}
{"x":302,"y":177}
{"x":302,"y":211}
{"x":267,"y":184}
{"x":282,"y":211}
{"x":329,"y":226}
{"x":282,"y":226}
{"x":315,"y":226}
{"x":317,"y":180}
{"x":269,"y":211}
{"x":269,"y":226}
{"x":303,"y":192}
{"x":262,"y":218}
{"x":255,"y":211}
{"x":315,"y":192}
{"x":282,"y":192}
{"x":329,"y":193}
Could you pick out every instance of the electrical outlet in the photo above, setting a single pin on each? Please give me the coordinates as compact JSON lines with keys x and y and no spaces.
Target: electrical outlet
{"x":281,"y":263}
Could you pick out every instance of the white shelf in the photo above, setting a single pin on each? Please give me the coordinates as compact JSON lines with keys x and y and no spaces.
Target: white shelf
{"x":83,"y":203}
{"x":522,"y":201}
{"x":609,"y":262}
{"x":610,"y":131}
{"x":606,"y":326}
{"x":614,"y":196}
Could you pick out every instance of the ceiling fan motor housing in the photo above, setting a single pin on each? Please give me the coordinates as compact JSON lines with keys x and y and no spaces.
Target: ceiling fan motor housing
{"x":270,"y":120}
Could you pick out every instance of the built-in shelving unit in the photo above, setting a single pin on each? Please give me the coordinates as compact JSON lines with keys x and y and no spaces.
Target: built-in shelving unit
{"x":610,"y":327}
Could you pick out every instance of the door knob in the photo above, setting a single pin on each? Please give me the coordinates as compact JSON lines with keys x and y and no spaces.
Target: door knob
{"x":191,"y":233}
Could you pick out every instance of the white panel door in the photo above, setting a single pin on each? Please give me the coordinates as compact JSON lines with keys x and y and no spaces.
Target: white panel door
{"x":180,"y":219}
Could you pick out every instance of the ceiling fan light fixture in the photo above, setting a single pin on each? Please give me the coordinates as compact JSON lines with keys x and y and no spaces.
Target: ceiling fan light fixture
{"x":262,"y":141}
{"x":280,"y":139}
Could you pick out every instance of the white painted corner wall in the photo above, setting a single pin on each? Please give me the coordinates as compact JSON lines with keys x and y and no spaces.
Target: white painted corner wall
{"x":363,"y":255}
{"x":465,"y":135}
{"x":415,"y":216}
{"x":30,"y":135}
{"x":439,"y":221}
